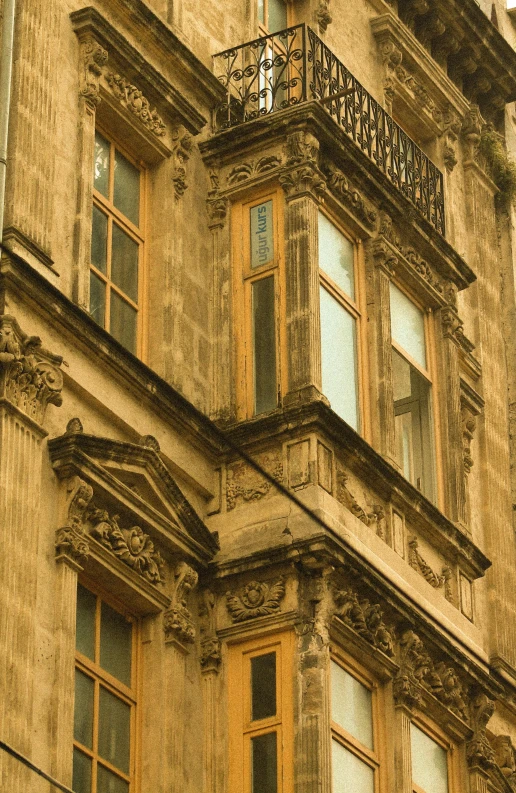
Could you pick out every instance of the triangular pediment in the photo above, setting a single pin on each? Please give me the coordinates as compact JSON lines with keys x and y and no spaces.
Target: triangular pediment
{"x":133,"y":481}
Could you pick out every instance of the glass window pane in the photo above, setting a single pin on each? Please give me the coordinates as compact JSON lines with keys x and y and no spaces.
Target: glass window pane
{"x":277,"y":15}
{"x":339,"y":359}
{"x":260,"y":12}
{"x":408,"y":325}
{"x":83,"y":710}
{"x":262,"y":237}
{"x":114,"y":730}
{"x":85,"y":622}
{"x":115,"y":644}
{"x":336,"y":256}
{"x":127,"y":188}
{"x":429,"y":762}
{"x":99,"y":227}
{"x":263,"y":686}
{"x":264,"y":345}
{"x":101,"y":165}
{"x":351,"y":705}
{"x":109,"y":782}
{"x":81,"y":782}
{"x":350,"y":775}
{"x":264,"y":764}
{"x":124,"y":262}
{"x":97,"y":299}
{"x":123,"y":322}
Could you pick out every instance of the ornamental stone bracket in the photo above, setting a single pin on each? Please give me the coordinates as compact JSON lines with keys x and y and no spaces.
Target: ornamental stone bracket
{"x":30,"y":376}
{"x":93,"y":61}
{"x":471,"y":405}
{"x":339,"y":184}
{"x":182,"y":149}
{"x":322,"y":15}
{"x":210,"y":644}
{"x":71,"y":542}
{"x":177,"y":621}
{"x":256,"y":599}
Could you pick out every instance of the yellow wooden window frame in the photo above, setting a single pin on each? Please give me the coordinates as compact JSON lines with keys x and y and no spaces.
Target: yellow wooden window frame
{"x":127,"y":694}
{"x":357,"y":308}
{"x":135,"y":232}
{"x":243,"y":278}
{"x":242,"y":729}
{"x":452,"y":753}
{"x":374,"y":758}
{"x":429,"y":374}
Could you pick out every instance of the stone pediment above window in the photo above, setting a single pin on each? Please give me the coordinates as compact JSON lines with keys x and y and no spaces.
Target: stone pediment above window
{"x":123,"y":497}
{"x":129,"y":93}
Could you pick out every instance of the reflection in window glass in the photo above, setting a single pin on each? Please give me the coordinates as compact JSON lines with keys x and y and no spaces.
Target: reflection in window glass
{"x":101,"y":164}
{"x":429,"y":762}
{"x":115,"y":644}
{"x":408,"y":325}
{"x":264,"y":344}
{"x":114,"y":730}
{"x":263,"y":686}
{"x":123,"y":322}
{"x":351,"y":705}
{"x":85,"y":622}
{"x":97,"y":299}
{"x":350,"y":774}
{"x":81,"y":772}
{"x":99,"y":233}
{"x":124,"y":263}
{"x":127,"y":188}
{"x":264,"y":764}
{"x":83,"y":711}
{"x":277,"y":15}
{"x":336,"y":256}
{"x":339,"y":358}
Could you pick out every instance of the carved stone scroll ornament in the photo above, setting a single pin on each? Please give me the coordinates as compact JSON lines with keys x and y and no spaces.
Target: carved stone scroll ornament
{"x":340,"y":185}
{"x":247,"y":170}
{"x":437,"y":581}
{"x":183,"y":145}
{"x":322,"y":15}
{"x":30,"y":377}
{"x":479,"y":752}
{"x":94,"y":58}
{"x":365,"y":618}
{"x":177,"y":621}
{"x":132,"y":546}
{"x":133,"y":99}
{"x":256,"y":599}
{"x":210,"y":644}
{"x":71,"y":541}
{"x":469,"y":425}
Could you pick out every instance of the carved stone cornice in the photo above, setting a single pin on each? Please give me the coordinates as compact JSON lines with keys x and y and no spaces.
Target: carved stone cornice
{"x":256,"y":599}
{"x":365,"y":618}
{"x":30,"y":377}
{"x":177,"y":621}
{"x":341,"y":187}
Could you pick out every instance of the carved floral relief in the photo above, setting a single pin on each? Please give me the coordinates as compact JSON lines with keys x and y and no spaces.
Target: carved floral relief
{"x":256,"y":599}
{"x":246,"y":484}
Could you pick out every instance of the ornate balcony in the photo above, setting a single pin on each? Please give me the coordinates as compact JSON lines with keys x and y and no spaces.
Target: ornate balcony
{"x":275,"y":72}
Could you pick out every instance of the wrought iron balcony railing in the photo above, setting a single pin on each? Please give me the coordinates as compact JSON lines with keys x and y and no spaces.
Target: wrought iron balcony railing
{"x":293,"y":66}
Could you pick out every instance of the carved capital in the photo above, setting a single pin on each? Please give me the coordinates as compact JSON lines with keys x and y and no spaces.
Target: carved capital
{"x":94,"y":58}
{"x":217,"y":211}
{"x":305,"y":180}
{"x":256,"y":599}
{"x":72,"y":547}
{"x":210,"y":655}
{"x":30,"y":377}
{"x":302,"y":148}
{"x":132,"y":99}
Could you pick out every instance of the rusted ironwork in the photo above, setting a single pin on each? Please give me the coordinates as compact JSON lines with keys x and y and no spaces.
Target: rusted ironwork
{"x":283,"y":69}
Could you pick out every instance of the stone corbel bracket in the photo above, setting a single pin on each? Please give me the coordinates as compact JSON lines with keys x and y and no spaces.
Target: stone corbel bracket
{"x":211,"y":656}
{"x":71,"y":542}
{"x":346,"y":192}
{"x":177,"y":621}
{"x":472,"y":405}
{"x":30,"y":376}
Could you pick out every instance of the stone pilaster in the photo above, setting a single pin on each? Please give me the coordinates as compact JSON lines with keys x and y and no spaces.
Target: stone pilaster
{"x":29,"y":379}
{"x":31,"y":184}
{"x":402,"y":755}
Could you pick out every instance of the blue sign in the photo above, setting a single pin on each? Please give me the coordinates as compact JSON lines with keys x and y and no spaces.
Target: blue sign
{"x":262,"y":240}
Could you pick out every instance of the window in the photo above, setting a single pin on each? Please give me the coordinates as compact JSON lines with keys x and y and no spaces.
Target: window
{"x":355,"y":758}
{"x":412,"y":387}
{"x":261,"y":715}
{"x":257,"y":308}
{"x":104,"y":698}
{"x":429,"y":763}
{"x":340,"y":322}
{"x":116,"y":265}
{"x":272,"y":16}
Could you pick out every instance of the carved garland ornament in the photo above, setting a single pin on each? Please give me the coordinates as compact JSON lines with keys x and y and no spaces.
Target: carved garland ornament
{"x":30,"y":377}
{"x":375,"y":518}
{"x":244,"y":483}
{"x":435,"y":580}
{"x":133,"y":99}
{"x":132,"y":546}
{"x":256,"y":599}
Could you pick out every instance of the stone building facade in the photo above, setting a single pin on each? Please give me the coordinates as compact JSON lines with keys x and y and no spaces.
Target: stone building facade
{"x":258,"y":397}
